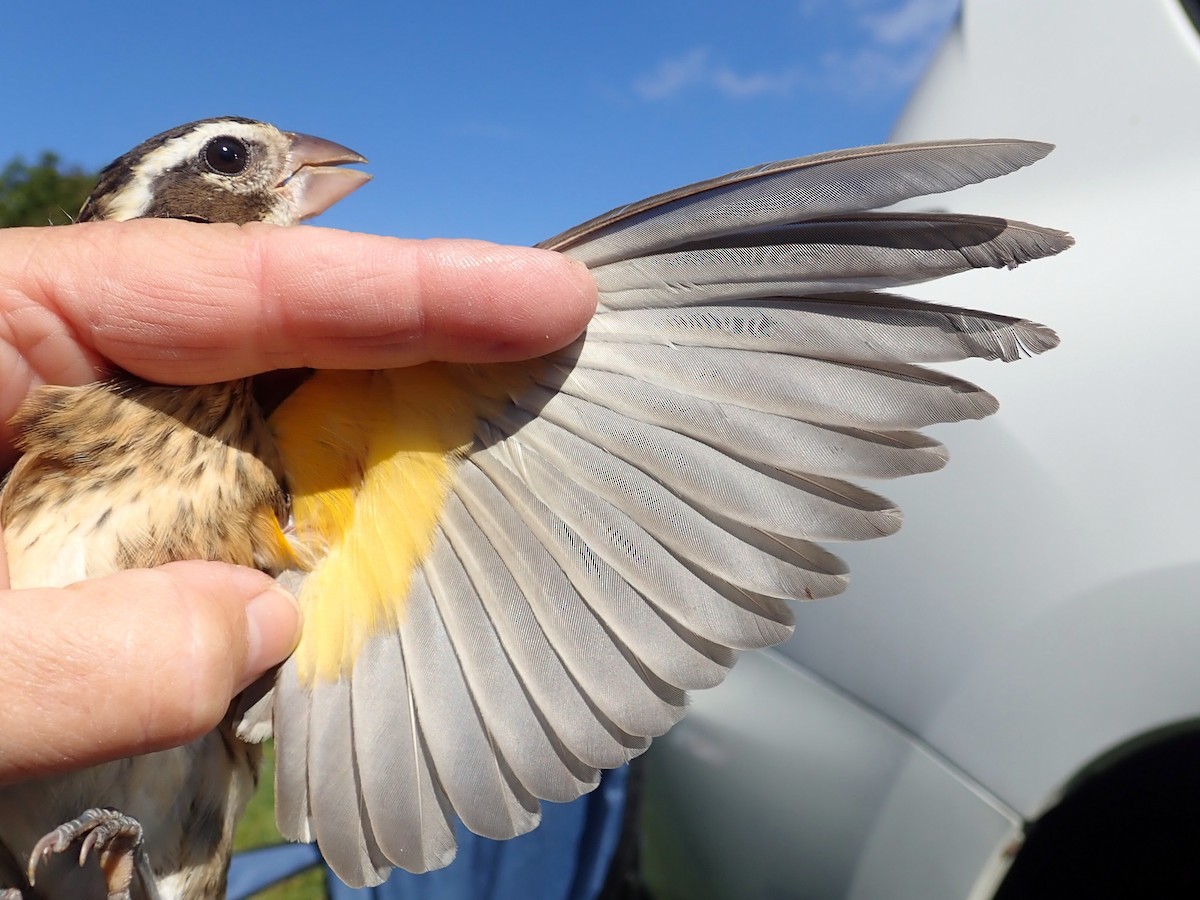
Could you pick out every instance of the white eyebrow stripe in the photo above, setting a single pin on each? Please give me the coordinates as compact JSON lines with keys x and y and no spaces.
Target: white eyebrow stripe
{"x":135,"y":199}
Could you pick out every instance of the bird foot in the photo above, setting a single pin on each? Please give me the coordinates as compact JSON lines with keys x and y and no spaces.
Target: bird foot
{"x":117,"y":840}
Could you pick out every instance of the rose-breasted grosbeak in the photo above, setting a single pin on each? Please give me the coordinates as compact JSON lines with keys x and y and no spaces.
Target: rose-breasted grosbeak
{"x":511,"y":574}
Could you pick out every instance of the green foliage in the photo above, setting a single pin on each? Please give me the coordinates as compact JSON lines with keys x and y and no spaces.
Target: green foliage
{"x":45,"y":193}
{"x":257,"y":829}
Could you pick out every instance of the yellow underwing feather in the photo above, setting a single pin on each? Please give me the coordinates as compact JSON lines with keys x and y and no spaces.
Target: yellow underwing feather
{"x":369,"y":457}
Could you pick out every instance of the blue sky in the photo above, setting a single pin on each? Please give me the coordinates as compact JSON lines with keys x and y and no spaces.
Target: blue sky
{"x":502,"y":121}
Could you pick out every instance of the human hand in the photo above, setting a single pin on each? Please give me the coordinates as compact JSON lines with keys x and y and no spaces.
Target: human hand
{"x":148,"y":659}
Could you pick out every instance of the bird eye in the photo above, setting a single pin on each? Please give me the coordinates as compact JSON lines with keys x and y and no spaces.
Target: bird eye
{"x":226,"y":155}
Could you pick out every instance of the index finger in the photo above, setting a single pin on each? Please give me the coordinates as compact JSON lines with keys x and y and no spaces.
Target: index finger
{"x":183,"y":303}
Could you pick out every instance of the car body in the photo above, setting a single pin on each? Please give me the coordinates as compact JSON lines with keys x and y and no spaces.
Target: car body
{"x":1029,"y":638}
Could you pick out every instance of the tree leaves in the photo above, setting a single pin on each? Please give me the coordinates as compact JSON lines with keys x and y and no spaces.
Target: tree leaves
{"x":44,"y":193}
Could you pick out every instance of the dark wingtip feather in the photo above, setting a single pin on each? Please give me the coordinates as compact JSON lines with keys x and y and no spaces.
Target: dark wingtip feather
{"x":838,"y":181}
{"x":1030,"y":242}
{"x":1032,"y":339}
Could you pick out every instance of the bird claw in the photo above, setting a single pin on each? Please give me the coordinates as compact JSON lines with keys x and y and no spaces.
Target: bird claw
{"x":115,"y":837}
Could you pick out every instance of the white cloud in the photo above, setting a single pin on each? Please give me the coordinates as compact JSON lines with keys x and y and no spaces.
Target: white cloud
{"x":734,"y":84}
{"x":673,"y":75}
{"x":696,"y":68}
{"x":880,"y":48}
{"x":896,"y":45}
{"x":867,"y":71}
{"x":915,"y":21}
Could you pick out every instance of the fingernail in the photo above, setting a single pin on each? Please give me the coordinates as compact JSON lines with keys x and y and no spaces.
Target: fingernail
{"x":585,"y":282}
{"x":273,"y":623}
{"x":582,"y":275}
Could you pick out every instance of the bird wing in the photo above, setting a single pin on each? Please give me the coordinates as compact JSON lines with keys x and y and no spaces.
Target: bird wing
{"x":519,"y":570}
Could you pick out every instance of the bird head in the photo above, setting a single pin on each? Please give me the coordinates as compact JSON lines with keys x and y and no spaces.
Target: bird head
{"x":228,"y":169}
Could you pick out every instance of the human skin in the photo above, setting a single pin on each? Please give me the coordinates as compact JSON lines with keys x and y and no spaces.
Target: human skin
{"x":147,"y":659}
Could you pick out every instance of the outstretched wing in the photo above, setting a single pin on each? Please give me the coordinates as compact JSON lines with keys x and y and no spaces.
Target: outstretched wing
{"x":522,"y":569}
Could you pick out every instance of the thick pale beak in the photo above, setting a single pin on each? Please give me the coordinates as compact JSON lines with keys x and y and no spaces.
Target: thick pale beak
{"x":314,"y":183}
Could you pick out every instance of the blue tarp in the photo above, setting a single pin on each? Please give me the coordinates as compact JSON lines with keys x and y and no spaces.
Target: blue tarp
{"x":565,"y":858}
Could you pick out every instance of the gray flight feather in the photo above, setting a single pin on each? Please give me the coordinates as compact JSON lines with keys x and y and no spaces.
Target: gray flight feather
{"x":756,"y":436}
{"x":409,"y":815}
{"x":539,"y":758}
{"x":857,"y":253}
{"x":891,"y":396}
{"x":807,"y":188}
{"x":868,"y":327}
{"x":666,"y":549}
{"x":477,"y":780}
{"x":654,"y":497}
{"x":585,"y":731}
{"x":602,"y":666}
{"x":338,"y":826}
{"x":684,"y":661}
{"x":290,"y":725}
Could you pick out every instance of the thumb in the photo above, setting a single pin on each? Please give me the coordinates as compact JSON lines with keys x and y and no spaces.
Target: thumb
{"x":135,"y":662}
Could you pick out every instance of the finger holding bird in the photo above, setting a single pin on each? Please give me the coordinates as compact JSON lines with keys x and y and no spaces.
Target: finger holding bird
{"x":122,"y":294}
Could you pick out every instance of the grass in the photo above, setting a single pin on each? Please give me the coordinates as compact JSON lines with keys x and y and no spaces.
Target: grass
{"x":257,"y":829}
